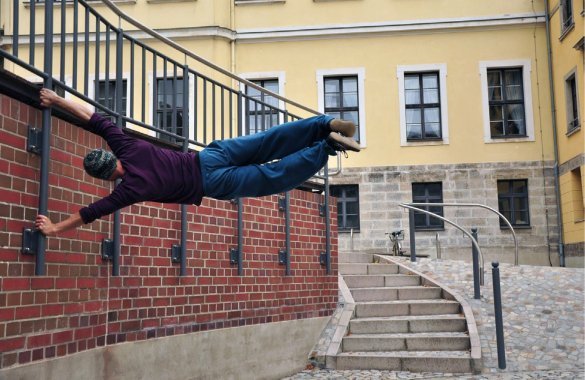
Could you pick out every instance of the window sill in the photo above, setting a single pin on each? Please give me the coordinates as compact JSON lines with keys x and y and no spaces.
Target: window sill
{"x":516,"y":228}
{"x":573,"y":131}
{"x":168,"y":1}
{"x":434,"y":229}
{"x":424,"y":142}
{"x":566,"y":31}
{"x":355,"y":231}
{"x":516,"y":139}
{"x":256,"y":2}
{"x":69,"y":3}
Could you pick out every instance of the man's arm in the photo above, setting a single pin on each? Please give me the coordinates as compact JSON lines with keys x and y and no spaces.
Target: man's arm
{"x":50,"y":98}
{"x":48,"y":228}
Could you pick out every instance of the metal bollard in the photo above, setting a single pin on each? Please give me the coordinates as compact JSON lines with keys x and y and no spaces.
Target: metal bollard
{"x":498,"y":315}
{"x":476,"y":278}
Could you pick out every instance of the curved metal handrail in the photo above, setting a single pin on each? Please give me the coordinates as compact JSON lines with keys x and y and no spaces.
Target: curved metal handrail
{"x":189,"y":53}
{"x":473,"y":241}
{"x":485,"y":207}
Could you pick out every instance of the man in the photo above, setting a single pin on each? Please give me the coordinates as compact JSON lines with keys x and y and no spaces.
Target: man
{"x":227,"y":169}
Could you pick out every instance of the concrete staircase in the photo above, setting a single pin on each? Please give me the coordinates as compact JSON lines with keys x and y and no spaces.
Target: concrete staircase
{"x":402,"y":321}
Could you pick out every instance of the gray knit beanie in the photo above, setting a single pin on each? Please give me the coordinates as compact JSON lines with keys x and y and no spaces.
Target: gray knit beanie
{"x":100,"y":164}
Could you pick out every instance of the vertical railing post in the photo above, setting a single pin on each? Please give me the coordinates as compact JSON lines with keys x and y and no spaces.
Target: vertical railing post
{"x":411,"y":227}
{"x":185,"y":127}
{"x":119,"y":121}
{"x":498,"y":316}
{"x":15,"y":23}
{"x":476,"y":278}
{"x":46,"y":120}
{"x":327,"y":222}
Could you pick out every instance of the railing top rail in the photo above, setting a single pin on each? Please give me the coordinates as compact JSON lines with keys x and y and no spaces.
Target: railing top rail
{"x":202,"y":60}
{"x":482,"y":206}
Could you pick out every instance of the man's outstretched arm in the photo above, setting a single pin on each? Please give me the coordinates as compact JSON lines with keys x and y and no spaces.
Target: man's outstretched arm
{"x":48,"y":228}
{"x":50,"y":98}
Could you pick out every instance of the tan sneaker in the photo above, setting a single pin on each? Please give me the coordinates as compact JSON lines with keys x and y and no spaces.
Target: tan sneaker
{"x":345,"y":127}
{"x":341,"y":143}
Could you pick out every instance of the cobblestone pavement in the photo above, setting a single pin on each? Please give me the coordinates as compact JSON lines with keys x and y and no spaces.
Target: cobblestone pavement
{"x":544,"y":322}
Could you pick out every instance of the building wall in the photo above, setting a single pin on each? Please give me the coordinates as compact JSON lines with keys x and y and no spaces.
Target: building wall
{"x":567,"y":59}
{"x":78,"y":305}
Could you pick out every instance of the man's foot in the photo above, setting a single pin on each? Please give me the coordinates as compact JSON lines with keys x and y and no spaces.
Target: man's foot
{"x":345,"y":127}
{"x":341,"y":143}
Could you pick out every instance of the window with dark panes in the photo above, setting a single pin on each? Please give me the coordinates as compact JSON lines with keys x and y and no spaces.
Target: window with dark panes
{"x":341,"y":99}
{"x":513,"y":202}
{"x":423,"y":106}
{"x":348,"y":206}
{"x":428,"y":192}
{"x":506,"y":102}
{"x":572,"y":104}
{"x":111,"y":101}
{"x":261,"y":108}
{"x":169,"y":107}
{"x":566,"y":14}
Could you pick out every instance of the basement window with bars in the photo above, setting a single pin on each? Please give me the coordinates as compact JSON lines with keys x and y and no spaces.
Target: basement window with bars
{"x":169,"y":108}
{"x":261,"y":108}
{"x":109,"y":99}
{"x":428,"y":192}
{"x":348,"y":207}
{"x":513,"y":202}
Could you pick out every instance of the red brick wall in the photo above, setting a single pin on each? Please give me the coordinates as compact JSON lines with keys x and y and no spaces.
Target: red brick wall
{"x":78,"y":305}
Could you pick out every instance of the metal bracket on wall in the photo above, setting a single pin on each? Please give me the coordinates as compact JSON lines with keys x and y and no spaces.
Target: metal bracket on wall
{"x":34,"y":140}
{"x":282,"y":204}
{"x":107,"y":249}
{"x":29,"y":241}
{"x":175,"y":253}
{"x":321,"y":209}
{"x":282,"y":257}
{"x":323,"y":259}
{"x":234,"y":256}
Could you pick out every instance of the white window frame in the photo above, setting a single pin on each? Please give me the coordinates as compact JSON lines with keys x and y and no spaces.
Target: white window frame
{"x":528,"y":108}
{"x":280,"y":76}
{"x":360,"y":72}
{"x":160,"y":75}
{"x":441,"y":68}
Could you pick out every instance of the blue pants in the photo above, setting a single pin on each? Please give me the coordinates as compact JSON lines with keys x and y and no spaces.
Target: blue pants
{"x":242,"y":167}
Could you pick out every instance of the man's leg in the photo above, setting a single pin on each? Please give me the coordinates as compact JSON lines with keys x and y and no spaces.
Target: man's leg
{"x":272,"y":144}
{"x":257,"y":180}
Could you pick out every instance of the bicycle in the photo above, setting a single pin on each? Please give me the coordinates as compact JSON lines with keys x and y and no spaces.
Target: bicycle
{"x":396,"y":237}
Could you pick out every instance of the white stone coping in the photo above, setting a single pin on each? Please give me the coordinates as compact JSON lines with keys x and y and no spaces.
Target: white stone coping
{"x":342,"y":326}
{"x":466,"y":310}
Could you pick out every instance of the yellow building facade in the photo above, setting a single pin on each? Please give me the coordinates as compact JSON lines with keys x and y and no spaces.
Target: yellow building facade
{"x":454,"y":103}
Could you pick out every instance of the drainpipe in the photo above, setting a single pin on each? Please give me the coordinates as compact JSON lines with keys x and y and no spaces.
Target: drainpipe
{"x":555,"y":138}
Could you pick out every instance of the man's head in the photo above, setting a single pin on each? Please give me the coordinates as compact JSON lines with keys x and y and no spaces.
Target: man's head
{"x":100,"y":164}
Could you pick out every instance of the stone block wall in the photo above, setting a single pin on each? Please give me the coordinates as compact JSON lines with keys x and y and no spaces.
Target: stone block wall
{"x":78,"y":305}
{"x":381,"y":189}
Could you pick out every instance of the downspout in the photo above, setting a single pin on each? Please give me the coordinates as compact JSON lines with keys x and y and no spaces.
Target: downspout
{"x":555,"y":138}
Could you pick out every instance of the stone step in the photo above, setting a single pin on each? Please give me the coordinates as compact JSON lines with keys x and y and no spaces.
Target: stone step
{"x":370,"y":281}
{"x":413,"y":361}
{"x":398,"y":293}
{"x":409,"y":324}
{"x":443,"y":341}
{"x":365,"y":268}
{"x":410,"y":307}
{"x":355,"y":257}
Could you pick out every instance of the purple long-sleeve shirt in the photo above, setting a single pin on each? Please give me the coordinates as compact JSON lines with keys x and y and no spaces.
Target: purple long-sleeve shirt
{"x":151,"y":173}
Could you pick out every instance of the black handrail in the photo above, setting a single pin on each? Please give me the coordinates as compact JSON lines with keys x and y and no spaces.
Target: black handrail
{"x":87,"y":26}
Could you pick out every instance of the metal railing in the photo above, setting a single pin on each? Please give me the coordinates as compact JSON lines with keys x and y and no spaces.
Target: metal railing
{"x":161,"y":95}
{"x":478,"y":258}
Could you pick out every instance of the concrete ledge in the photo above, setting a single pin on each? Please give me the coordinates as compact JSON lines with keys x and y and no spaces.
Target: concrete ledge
{"x":342,"y":326}
{"x":448,"y":293}
{"x":266,"y":351}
